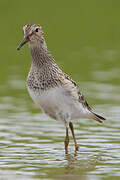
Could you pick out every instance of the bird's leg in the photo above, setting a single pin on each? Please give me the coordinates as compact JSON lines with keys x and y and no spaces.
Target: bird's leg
{"x":66,"y":141}
{"x":72,"y":130}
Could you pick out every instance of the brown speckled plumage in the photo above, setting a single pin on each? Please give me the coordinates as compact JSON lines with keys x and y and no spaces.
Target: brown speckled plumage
{"x":50,"y":88}
{"x":45,"y":74}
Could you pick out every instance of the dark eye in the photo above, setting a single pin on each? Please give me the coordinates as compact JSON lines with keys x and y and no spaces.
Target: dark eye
{"x":36,"y":30}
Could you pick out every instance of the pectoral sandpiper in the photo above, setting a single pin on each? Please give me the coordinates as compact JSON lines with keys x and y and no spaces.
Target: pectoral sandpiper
{"x":50,"y":88}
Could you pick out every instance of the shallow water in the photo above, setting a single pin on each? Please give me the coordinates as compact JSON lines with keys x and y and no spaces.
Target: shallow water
{"x":32,"y":144}
{"x":85,"y":44}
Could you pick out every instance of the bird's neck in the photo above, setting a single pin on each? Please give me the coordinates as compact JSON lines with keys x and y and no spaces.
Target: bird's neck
{"x":40,"y":55}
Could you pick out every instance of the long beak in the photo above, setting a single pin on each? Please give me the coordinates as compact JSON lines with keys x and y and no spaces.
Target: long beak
{"x":25,"y":40}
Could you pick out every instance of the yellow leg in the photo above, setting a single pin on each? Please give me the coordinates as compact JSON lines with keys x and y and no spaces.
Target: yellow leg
{"x":75,"y":142}
{"x":66,"y":141}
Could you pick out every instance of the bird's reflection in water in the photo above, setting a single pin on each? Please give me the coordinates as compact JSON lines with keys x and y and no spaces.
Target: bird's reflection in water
{"x":79,"y":168}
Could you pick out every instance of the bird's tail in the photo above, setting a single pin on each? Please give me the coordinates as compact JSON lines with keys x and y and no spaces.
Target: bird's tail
{"x":97,"y":117}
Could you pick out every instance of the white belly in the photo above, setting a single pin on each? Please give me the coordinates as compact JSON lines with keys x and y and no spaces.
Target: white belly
{"x":55,"y":101}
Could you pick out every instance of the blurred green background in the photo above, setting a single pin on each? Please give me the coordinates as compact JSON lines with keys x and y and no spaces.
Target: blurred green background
{"x":84,"y":38}
{"x":80,"y":33}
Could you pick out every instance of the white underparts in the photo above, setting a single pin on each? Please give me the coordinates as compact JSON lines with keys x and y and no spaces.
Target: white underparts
{"x":58,"y":105}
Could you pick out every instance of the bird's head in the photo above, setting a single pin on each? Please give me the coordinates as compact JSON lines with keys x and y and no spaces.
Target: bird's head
{"x":33,"y":34}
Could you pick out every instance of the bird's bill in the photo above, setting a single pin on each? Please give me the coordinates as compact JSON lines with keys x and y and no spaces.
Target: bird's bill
{"x":25,"y":40}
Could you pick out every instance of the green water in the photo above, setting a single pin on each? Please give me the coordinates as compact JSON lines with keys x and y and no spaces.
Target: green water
{"x":84,"y":38}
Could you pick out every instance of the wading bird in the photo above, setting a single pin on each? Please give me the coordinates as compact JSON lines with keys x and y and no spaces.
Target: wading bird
{"x":50,"y":88}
